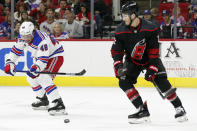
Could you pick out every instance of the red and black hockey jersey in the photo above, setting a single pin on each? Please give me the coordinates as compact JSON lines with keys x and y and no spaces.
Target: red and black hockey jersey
{"x":140,"y":44}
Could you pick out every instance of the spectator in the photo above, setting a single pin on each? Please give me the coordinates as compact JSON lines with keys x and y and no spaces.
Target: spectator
{"x":180,"y":18}
{"x":190,"y":14}
{"x":148,"y":16}
{"x":75,"y":6}
{"x":26,"y":17}
{"x":49,"y":4}
{"x":5,"y":27}
{"x":84,"y":19}
{"x":87,"y":3}
{"x":167,"y":26}
{"x":6,"y":10}
{"x":84,"y":16}
{"x":33,"y":4}
{"x":39,"y":13}
{"x":155,"y":13}
{"x":100,"y":10}
{"x":72,"y":27}
{"x":69,"y":2}
{"x":166,"y":29}
{"x":16,"y":29}
{"x":187,"y":29}
{"x":194,"y":24}
{"x":66,"y":12}
{"x":63,"y":20}
{"x":7,"y":3}
{"x":57,"y":32}
{"x":46,"y":26}
{"x":21,"y":7}
{"x":55,"y":3}
{"x":63,"y":5}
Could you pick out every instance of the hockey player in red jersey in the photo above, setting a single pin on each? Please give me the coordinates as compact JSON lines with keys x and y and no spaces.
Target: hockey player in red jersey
{"x":137,"y":41}
{"x":47,"y":55}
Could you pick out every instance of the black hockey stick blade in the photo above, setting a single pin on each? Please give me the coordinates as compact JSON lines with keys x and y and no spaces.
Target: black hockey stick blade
{"x":58,"y":73}
{"x":77,"y":74}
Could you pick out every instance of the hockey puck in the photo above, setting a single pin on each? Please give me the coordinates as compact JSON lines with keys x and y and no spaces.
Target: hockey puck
{"x":66,"y":120}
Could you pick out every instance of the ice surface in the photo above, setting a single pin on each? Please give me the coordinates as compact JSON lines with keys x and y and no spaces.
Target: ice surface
{"x":93,"y":109}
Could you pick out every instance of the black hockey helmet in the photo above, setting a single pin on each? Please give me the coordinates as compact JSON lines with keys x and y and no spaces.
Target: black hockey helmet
{"x":130,"y":7}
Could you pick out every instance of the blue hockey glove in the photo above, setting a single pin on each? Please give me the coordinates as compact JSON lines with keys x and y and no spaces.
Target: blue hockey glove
{"x":32,"y":72}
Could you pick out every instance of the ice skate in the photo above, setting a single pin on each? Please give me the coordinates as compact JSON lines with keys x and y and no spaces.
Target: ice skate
{"x":42,"y":103}
{"x":142,"y":116}
{"x":180,"y":115}
{"x":57,"y":108}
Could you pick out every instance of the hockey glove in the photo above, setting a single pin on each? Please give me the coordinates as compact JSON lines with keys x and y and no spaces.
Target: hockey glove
{"x":121,"y":72}
{"x":10,"y":68}
{"x":32,"y":72}
{"x":150,"y":73}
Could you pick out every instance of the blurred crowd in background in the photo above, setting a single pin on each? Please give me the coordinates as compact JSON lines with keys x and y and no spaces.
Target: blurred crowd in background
{"x":71,"y":19}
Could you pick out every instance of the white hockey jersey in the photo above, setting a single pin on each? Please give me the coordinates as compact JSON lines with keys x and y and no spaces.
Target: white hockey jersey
{"x":42,"y":49}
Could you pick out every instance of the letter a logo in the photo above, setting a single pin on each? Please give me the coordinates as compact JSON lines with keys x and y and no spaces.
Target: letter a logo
{"x":172,"y":49}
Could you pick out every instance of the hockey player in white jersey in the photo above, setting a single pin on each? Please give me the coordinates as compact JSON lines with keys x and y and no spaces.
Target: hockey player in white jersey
{"x":47,"y":55}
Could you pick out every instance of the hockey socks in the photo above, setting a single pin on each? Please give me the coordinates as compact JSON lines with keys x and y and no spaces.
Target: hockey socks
{"x":38,"y":90}
{"x":134,"y":97}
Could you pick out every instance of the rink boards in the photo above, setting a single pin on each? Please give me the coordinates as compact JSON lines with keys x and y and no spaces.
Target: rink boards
{"x":179,"y":58}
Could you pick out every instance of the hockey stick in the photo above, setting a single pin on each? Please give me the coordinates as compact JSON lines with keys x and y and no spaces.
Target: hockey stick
{"x":59,"y":73}
{"x":160,"y":93}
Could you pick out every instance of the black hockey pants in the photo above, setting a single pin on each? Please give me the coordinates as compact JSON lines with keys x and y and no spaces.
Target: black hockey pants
{"x":133,"y":72}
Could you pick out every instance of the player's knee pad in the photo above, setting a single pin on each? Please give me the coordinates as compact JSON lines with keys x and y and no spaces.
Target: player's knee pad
{"x":32,"y":82}
{"x":126,"y":84}
{"x":45,"y":80}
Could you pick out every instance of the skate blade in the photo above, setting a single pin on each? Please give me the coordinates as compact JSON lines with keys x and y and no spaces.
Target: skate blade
{"x":58,"y":112}
{"x":139,"y":121}
{"x":182,"y":118}
{"x":41,"y":108}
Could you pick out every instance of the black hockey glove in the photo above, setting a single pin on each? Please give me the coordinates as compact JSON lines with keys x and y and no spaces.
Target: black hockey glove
{"x":121,"y":72}
{"x":150,"y":73}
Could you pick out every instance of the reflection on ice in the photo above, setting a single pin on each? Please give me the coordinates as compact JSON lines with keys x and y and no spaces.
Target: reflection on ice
{"x":93,"y":109}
